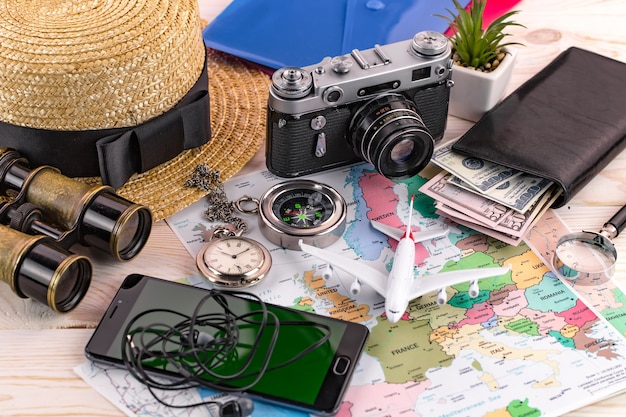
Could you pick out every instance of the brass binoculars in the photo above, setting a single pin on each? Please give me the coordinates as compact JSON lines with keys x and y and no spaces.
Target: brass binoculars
{"x":43,"y":214}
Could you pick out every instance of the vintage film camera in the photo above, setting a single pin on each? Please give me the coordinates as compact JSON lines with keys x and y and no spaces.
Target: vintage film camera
{"x":43,"y":213}
{"x":387,"y":105}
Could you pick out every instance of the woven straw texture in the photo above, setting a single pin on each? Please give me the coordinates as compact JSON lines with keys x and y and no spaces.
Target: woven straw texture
{"x":96,"y":64}
{"x":77,"y":65}
{"x":238,"y":110}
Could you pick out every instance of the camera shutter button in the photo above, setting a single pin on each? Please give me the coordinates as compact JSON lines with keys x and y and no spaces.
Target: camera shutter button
{"x":429,"y":43}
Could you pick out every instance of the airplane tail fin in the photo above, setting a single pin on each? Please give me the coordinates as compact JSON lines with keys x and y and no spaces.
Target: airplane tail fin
{"x":409,"y":229}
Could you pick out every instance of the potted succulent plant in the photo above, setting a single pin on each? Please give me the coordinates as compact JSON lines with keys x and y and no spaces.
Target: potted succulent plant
{"x":483,"y":60}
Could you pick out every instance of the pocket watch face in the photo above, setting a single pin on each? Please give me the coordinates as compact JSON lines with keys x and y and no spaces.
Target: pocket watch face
{"x":234,"y":261}
{"x":234,"y":256}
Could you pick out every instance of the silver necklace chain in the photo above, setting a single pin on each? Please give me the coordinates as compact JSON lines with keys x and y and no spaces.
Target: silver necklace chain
{"x":219,"y":209}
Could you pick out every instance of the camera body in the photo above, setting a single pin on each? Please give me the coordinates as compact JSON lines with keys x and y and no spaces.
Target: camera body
{"x":387,"y":105}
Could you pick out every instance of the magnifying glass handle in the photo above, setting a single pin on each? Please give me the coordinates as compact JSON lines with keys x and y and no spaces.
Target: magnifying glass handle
{"x":616,"y":224}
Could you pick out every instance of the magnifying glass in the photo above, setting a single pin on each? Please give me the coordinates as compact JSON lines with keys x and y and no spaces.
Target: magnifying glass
{"x":588,"y":257}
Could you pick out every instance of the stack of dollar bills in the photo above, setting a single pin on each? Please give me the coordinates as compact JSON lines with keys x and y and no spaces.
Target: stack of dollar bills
{"x":493,"y":199}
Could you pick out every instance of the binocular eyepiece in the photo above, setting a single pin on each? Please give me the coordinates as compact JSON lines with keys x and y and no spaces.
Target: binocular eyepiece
{"x":45,"y":203}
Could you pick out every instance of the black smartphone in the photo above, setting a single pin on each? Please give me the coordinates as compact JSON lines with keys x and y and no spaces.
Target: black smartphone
{"x":314,"y":383}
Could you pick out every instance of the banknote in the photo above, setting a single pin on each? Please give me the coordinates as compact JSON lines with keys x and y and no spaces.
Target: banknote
{"x":486,"y":211}
{"x":485,"y":215}
{"x":467,"y":221}
{"x":519,"y":193}
{"x":513,"y":225}
{"x":518,"y":224}
{"x":477,"y":173}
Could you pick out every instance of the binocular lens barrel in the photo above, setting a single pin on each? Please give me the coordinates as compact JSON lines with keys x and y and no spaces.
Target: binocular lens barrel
{"x":54,"y":276}
{"x":116,"y":225}
{"x":35,"y":267}
{"x":94,"y":215}
{"x":47,"y":213}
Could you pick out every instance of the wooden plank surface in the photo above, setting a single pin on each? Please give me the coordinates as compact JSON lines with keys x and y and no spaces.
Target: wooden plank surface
{"x":39,"y":349}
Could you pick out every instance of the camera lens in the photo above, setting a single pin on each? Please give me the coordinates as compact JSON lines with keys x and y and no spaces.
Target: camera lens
{"x":388,"y":132}
{"x":402,"y":151}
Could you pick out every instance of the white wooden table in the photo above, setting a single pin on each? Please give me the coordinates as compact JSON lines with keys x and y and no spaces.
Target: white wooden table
{"x":39,"y":349}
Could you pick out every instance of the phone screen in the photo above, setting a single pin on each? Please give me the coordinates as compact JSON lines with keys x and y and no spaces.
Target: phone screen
{"x":315,"y":382}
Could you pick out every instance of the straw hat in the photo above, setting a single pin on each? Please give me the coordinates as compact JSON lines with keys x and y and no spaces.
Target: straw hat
{"x":74,"y":72}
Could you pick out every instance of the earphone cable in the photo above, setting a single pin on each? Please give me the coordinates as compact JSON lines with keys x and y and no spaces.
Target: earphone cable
{"x":176,"y":349}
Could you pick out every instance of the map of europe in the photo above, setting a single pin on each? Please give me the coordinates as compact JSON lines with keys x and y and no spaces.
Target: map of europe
{"x":527,"y":345}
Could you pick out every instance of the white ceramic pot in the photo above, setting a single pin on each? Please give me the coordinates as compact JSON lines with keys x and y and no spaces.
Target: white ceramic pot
{"x":475,"y":92}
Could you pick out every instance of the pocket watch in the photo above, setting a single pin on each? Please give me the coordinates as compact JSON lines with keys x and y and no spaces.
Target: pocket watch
{"x":233,"y":261}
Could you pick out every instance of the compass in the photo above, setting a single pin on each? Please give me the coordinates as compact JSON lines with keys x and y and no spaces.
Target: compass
{"x":302,"y":210}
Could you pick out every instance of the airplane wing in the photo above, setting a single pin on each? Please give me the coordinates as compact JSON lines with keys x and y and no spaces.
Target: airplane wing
{"x":397,"y":234}
{"x":378,"y":280}
{"x":358,"y":269}
{"x":424,"y":284}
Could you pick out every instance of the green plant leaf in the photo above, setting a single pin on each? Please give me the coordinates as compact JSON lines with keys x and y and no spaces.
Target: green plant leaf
{"x":474,"y":46}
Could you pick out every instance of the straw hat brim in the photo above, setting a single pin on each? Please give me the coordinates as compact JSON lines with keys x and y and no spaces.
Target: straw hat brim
{"x":238,"y":99}
{"x":83,"y":72}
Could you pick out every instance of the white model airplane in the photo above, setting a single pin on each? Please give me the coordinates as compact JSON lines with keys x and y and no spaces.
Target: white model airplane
{"x":401,"y":285}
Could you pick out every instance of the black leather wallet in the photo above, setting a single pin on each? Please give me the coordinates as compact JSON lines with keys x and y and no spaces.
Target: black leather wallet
{"x":565,"y":124}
